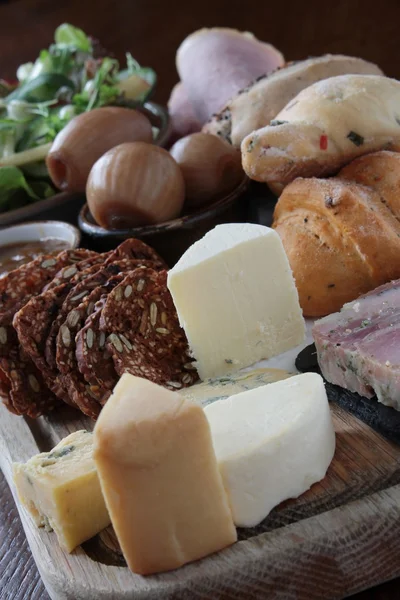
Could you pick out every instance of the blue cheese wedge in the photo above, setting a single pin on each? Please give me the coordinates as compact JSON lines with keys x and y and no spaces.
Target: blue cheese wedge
{"x":236,"y":298}
{"x":61,"y":490}
{"x":220,"y":388}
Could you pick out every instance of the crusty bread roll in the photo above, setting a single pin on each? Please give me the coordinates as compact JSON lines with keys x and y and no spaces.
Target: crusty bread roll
{"x":381,"y":171}
{"x":341,"y":239}
{"x":325,"y":127}
{"x":255,"y":106}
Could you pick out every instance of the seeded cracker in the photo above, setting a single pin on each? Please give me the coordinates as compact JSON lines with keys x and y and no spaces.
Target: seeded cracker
{"x":26,"y":391}
{"x":95,"y":362}
{"x":70,"y":271}
{"x":77,"y":386}
{"x":143,"y":332}
{"x":18,"y":286}
{"x":22,"y":388}
{"x":137,"y":250}
{"x":86,"y":283}
{"x":32,"y":324}
{"x":92,"y":277}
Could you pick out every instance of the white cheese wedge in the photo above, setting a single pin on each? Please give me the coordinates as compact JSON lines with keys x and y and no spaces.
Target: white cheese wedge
{"x":236,"y":298}
{"x":272,"y":443}
{"x":160,"y":478}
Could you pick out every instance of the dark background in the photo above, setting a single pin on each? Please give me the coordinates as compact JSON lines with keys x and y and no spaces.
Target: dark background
{"x":152,"y":31}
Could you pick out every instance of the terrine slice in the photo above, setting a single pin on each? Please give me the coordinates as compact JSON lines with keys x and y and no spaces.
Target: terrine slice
{"x":358,"y":348}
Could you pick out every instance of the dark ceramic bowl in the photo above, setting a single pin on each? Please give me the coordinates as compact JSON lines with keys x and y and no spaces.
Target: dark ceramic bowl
{"x":66,"y":205}
{"x":171,"y":238}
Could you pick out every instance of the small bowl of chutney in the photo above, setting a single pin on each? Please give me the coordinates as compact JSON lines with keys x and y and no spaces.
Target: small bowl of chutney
{"x":19,"y":244}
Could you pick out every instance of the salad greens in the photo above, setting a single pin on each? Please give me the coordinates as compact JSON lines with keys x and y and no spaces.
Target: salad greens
{"x":68,"y":78}
{"x":14,"y":187}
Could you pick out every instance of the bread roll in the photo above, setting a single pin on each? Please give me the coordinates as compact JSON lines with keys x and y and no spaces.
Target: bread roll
{"x":341,"y":240}
{"x":255,"y":106}
{"x":381,"y":171}
{"x":325,"y":127}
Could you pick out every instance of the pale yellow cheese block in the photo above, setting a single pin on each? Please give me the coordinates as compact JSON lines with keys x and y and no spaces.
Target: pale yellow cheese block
{"x":160,"y":478}
{"x":61,"y":490}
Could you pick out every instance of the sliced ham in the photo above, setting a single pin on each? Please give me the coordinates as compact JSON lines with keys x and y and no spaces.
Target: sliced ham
{"x":182,"y":117}
{"x":214,"y":64}
{"x":358,"y":348}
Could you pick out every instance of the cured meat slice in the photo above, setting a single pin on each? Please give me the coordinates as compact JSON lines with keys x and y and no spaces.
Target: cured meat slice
{"x":143,"y":332}
{"x":359,"y":347}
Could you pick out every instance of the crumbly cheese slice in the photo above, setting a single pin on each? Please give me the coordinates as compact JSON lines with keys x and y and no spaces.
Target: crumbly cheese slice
{"x":236,"y":298}
{"x":160,"y":478}
{"x":219,"y":388}
{"x":61,"y":490}
{"x":272,"y":443}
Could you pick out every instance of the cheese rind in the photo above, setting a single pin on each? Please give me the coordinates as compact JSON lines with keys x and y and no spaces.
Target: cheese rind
{"x":236,"y":298}
{"x":160,"y":478}
{"x":61,"y":490}
{"x":272,"y":443}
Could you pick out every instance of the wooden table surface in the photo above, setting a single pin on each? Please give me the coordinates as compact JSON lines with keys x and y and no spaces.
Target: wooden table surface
{"x":152,"y":30}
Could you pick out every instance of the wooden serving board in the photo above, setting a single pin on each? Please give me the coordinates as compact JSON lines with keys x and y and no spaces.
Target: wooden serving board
{"x":340,"y":537}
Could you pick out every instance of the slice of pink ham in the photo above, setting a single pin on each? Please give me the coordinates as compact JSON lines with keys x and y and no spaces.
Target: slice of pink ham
{"x":214,"y":64}
{"x":359,"y":347}
{"x":183,"y":120}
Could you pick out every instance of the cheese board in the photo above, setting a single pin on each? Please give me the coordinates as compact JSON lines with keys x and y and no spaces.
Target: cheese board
{"x":146,"y":456}
{"x":336,"y":539}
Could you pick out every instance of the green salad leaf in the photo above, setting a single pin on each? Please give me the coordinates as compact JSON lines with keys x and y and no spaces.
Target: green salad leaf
{"x":44,"y":127}
{"x":101,"y":90}
{"x":8,"y":137}
{"x":66,"y":79}
{"x":16,"y":191}
{"x":68,"y":35}
{"x":40,"y":89}
{"x":145,"y":73}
